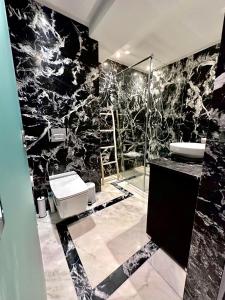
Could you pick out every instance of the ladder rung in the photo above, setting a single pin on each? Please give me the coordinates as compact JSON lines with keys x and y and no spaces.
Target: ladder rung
{"x":121,"y":129}
{"x":106,"y":147}
{"x":109,"y":162}
{"x":106,"y":130}
{"x":106,"y":114}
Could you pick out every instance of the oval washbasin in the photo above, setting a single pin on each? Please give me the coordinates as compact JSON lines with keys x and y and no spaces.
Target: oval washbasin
{"x":193,"y":150}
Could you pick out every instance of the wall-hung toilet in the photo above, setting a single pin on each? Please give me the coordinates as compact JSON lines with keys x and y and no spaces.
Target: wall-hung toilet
{"x":70,"y":193}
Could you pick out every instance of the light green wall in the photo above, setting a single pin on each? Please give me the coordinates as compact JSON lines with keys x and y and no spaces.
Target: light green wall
{"x":21,"y":271}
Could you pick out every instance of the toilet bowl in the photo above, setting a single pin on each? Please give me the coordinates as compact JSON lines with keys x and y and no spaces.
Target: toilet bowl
{"x":70,"y":193}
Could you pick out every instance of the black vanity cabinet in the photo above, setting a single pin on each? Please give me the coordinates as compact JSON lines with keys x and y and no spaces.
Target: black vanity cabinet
{"x":173,"y":190}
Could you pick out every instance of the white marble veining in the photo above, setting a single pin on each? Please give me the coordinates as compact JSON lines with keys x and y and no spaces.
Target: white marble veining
{"x":56,"y":65}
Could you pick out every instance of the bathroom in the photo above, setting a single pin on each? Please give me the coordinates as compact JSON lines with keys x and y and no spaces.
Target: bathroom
{"x":115,"y":135}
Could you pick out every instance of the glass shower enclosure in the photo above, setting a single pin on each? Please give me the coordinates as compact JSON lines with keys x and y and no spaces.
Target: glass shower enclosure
{"x":132,"y":114}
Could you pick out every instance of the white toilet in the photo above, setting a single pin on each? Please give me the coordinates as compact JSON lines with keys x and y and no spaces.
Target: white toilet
{"x":70,"y":193}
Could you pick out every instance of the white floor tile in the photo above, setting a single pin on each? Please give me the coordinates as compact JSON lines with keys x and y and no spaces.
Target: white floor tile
{"x":169,"y":270}
{"x":145,"y":284}
{"x":108,"y":238}
{"x":58,"y":280}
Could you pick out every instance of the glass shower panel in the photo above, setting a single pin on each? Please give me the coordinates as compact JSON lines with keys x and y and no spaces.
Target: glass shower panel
{"x":131,"y":123}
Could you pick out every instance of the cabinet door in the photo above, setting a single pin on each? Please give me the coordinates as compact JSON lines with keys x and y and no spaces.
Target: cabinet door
{"x":171,"y":208}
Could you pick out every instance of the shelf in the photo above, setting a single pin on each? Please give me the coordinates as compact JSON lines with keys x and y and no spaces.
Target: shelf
{"x":106,"y":130}
{"x":106,"y":147}
{"x":109,"y":163}
{"x":123,"y":129}
{"x":106,"y":114}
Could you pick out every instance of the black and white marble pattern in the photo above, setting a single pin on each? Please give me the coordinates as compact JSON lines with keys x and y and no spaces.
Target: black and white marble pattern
{"x":120,"y":275}
{"x":110,"y":284}
{"x":180,"y":102}
{"x":181,"y":93}
{"x":188,"y":169}
{"x":127,"y":93}
{"x":206,"y":259}
{"x":56,"y":66}
{"x":77,"y":271}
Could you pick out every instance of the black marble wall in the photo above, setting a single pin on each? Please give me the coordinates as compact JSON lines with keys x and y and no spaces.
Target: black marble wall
{"x":181,"y":93}
{"x":57,"y":74}
{"x":207,"y":258}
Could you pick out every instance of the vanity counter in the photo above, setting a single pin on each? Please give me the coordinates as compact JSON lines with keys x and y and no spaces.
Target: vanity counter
{"x":188,"y":169}
{"x":173,"y":191}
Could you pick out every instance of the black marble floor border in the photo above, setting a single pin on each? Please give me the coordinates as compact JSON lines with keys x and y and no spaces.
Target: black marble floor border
{"x":77,"y":272}
{"x":110,"y":284}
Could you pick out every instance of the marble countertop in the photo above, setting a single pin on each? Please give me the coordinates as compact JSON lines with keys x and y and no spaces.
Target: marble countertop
{"x":189,"y":169}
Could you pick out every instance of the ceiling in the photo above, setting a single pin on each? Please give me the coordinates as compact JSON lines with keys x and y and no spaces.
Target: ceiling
{"x":130,"y":30}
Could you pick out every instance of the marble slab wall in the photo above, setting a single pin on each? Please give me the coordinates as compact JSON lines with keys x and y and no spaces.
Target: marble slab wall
{"x":207,"y":258}
{"x":180,"y":95}
{"x":57,"y":74}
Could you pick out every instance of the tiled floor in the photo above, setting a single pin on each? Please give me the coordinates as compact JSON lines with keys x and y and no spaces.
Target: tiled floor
{"x":109,"y":237}
{"x":139,"y":182}
{"x":108,"y":193}
{"x":136,"y":177}
{"x":104,"y":241}
{"x":145,"y":284}
{"x":57,"y":276}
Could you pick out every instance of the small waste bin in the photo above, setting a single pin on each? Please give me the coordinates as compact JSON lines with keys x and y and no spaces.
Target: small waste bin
{"x":41,"y":207}
{"x":91,"y":192}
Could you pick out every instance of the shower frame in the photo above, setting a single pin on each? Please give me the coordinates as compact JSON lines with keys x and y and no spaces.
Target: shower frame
{"x":148,"y":99}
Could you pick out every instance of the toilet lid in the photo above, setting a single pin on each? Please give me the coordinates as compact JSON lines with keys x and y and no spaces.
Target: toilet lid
{"x":67,"y":185}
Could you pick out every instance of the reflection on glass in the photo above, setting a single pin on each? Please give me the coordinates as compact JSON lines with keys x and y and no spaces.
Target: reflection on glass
{"x":131,"y":113}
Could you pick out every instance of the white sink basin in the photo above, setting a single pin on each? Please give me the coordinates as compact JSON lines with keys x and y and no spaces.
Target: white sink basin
{"x":192,"y":150}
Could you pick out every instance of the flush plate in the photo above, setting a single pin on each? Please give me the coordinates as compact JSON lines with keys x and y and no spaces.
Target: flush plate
{"x":57,"y":135}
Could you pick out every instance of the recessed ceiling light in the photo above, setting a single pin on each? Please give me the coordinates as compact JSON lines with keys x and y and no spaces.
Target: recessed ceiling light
{"x":127,"y":52}
{"x":117,"y":54}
